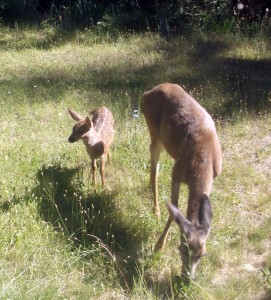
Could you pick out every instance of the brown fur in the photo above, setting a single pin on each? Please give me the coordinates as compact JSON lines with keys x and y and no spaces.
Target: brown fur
{"x":97,"y":135}
{"x":178,"y":123}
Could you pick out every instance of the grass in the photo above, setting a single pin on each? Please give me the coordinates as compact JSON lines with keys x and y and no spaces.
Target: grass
{"x":62,"y":239}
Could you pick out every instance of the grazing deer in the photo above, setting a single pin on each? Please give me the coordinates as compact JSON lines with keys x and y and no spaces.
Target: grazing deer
{"x":178,"y":123}
{"x":97,"y":134}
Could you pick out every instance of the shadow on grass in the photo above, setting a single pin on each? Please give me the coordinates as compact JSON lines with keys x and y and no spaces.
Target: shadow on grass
{"x":64,"y":205}
{"x":241,"y":85}
{"x":88,"y":220}
{"x":94,"y":219}
{"x":247,"y":82}
{"x":20,"y":39}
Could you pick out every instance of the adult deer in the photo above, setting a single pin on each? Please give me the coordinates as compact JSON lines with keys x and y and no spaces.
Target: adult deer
{"x":97,"y":134}
{"x":178,"y":123}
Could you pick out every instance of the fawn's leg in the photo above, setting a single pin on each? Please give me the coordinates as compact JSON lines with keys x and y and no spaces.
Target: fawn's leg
{"x":155,"y":150}
{"x":102,"y":168}
{"x":109,"y":157}
{"x":175,"y":188}
{"x":93,"y":169}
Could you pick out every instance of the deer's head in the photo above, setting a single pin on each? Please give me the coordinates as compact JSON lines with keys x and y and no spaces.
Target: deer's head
{"x":82,"y":126}
{"x":193,"y":236}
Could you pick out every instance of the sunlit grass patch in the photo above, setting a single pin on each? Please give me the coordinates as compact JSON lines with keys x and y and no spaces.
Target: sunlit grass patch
{"x":63,"y":238}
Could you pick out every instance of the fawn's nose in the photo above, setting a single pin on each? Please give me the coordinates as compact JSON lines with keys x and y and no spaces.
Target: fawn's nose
{"x":71,"y":139}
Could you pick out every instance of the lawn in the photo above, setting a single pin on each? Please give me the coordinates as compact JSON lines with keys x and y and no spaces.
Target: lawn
{"x":61,"y":238}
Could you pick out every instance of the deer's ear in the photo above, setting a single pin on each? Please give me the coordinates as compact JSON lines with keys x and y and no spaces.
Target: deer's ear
{"x":89,"y":121}
{"x":179,"y":218}
{"x":76,"y":116}
{"x":205,"y":213}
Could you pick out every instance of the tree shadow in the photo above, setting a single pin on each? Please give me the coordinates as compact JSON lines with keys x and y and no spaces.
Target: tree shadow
{"x":19,"y":40}
{"x":244,"y":83}
{"x":247,"y":82}
{"x":241,"y":84}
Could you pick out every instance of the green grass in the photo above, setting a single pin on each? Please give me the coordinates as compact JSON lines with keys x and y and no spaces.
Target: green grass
{"x":62,"y":239}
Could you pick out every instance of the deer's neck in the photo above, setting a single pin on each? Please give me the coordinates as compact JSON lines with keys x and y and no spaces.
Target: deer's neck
{"x":193,"y":212}
{"x":195,"y":199}
{"x":91,"y":138}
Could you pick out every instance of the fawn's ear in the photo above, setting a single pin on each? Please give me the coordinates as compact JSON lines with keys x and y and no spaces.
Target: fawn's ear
{"x":179,"y":218}
{"x":76,"y":116}
{"x":205,"y":213}
{"x":89,"y":122}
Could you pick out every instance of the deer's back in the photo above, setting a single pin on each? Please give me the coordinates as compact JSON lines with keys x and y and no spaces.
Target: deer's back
{"x":103,"y":122}
{"x":185,"y":128}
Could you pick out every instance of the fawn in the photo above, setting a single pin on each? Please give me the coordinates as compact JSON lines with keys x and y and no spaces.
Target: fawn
{"x":178,"y":123}
{"x":97,"y":134}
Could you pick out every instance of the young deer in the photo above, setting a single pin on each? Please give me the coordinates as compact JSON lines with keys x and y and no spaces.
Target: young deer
{"x":179,"y":124}
{"x":97,"y":134}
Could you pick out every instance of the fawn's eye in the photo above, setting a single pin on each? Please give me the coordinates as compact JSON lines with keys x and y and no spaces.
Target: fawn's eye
{"x":81,"y":130}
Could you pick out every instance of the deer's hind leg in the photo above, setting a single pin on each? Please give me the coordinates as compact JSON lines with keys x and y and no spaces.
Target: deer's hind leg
{"x":155,"y":149}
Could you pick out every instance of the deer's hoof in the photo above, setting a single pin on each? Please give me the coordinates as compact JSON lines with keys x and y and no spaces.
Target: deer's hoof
{"x":158,"y":247}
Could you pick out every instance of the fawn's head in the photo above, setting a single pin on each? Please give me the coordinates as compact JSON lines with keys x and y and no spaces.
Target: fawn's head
{"x":193,"y":236}
{"x":81,"y":127}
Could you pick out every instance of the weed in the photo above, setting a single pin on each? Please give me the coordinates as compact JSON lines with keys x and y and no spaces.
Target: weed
{"x":267,"y":278}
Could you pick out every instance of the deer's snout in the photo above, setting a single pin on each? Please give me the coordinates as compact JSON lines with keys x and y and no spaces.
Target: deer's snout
{"x":71,"y":139}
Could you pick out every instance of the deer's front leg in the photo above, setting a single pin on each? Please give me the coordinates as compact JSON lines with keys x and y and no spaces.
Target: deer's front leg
{"x":102,"y":168}
{"x":175,"y":188}
{"x":93,"y":170}
{"x":155,"y":149}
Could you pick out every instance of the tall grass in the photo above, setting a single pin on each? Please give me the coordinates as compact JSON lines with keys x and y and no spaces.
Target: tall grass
{"x":60,"y":238}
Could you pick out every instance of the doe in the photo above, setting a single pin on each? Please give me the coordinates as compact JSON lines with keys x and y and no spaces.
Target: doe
{"x":178,"y":123}
{"x":97,"y":134}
